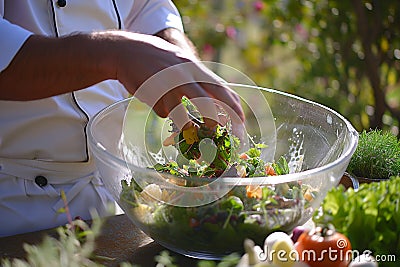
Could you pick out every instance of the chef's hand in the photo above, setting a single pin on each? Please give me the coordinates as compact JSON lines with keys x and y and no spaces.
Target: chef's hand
{"x":160,"y":74}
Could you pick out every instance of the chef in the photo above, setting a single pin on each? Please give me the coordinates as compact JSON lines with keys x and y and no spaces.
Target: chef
{"x":61,"y":61}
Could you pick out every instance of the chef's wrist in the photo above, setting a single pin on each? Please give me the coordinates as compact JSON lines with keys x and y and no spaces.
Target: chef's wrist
{"x":178,"y":38}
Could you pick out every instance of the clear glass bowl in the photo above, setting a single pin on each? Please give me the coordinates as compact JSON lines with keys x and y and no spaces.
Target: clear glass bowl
{"x":212,"y":218}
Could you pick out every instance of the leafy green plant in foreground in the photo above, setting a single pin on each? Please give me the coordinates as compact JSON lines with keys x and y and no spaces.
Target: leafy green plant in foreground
{"x":369,"y":217}
{"x":73,"y":247}
{"x":377,"y":155}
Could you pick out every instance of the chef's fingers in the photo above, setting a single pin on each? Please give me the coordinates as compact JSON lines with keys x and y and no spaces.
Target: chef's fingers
{"x":216,"y":87}
{"x":227,"y":97}
{"x":170,"y":105}
{"x":205,"y":104}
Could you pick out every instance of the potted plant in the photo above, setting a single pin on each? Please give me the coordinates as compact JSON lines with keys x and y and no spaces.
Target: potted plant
{"x":377,"y":158}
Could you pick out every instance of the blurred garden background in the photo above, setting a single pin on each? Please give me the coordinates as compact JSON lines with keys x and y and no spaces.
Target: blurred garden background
{"x":343,"y":54}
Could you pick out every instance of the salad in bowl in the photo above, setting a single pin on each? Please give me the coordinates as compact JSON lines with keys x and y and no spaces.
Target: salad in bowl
{"x":201,"y":192}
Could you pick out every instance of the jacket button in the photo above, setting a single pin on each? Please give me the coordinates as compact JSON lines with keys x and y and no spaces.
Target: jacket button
{"x":41,"y":181}
{"x":61,"y":3}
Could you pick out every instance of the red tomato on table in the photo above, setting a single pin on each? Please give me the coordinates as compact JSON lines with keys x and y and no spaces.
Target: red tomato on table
{"x":324,"y":247}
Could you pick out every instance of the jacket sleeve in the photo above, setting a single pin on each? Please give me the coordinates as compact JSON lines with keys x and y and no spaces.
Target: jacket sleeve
{"x":152,"y":16}
{"x":12,"y":37}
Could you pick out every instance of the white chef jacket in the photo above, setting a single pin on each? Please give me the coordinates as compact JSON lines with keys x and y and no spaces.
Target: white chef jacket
{"x":43,"y":145}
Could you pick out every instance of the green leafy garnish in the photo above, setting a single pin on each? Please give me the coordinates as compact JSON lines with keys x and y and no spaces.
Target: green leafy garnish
{"x":281,"y":167}
{"x":205,"y":152}
{"x":199,"y":146}
{"x":233,"y":205}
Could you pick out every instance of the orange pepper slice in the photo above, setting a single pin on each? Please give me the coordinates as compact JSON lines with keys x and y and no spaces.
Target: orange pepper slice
{"x":254,"y":191}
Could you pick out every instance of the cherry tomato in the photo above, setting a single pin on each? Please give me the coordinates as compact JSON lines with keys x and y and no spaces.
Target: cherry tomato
{"x":324,"y":247}
{"x":269,"y":170}
{"x":244,"y":156}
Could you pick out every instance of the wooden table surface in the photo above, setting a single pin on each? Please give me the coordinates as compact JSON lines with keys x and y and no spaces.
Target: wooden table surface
{"x":120,"y":241}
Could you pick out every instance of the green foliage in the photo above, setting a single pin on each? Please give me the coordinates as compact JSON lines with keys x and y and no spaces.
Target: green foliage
{"x":74,"y":247}
{"x":281,"y":167}
{"x":68,"y":249}
{"x":377,"y":155}
{"x":369,"y":217}
{"x":343,"y":54}
{"x":165,"y":259}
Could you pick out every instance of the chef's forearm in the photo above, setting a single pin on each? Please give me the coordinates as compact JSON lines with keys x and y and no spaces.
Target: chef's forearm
{"x":45,"y":67}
